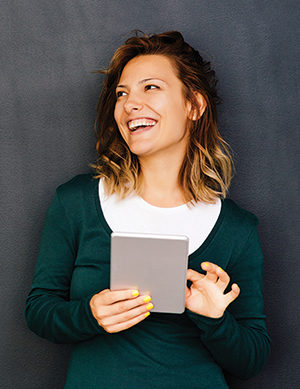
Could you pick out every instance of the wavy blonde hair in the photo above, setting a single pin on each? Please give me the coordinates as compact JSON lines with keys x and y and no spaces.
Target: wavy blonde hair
{"x":206,"y":170}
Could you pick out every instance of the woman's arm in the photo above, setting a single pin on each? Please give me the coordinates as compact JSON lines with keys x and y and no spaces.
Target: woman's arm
{"x":49,"y":311}
{"x":237,"y":336}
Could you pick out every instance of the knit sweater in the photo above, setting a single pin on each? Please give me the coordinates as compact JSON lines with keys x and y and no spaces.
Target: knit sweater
{"x":165,"y":350}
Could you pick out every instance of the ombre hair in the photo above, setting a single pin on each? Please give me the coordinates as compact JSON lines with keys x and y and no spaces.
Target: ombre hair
{"x":206,"y":170}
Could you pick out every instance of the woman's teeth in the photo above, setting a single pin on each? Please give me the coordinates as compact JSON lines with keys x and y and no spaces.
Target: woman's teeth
{"x":135,"y":124}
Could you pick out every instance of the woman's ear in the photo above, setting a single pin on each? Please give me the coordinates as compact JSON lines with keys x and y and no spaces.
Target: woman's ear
{"x":197,"y":113}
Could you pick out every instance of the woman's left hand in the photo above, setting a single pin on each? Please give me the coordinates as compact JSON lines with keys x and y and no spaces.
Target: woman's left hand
{"x":206,"y":295}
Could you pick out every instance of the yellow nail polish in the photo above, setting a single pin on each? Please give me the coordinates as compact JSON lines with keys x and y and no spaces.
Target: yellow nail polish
{"x":150,"y":306}
{"x":147,"y":314}
{"x":206,"y":264}
{"x":135,"y":293}
{"x":221,"y":268}
{"x":147,"y":299}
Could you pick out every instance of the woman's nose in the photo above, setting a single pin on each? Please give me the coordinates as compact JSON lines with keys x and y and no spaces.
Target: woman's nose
{"x":133,"y":103}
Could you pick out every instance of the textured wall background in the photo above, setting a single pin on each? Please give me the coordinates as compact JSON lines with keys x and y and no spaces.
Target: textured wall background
{"x":48,"y":97}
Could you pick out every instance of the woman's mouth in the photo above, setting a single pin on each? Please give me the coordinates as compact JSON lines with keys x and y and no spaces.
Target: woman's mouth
{"x":140,"y":124}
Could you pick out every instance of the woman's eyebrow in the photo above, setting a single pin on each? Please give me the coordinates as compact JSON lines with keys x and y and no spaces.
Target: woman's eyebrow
{"x":142,"y":82}
{"x":151,"y":79}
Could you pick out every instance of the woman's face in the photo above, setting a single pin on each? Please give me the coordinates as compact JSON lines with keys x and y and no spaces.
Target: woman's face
{"x":151,"y":111}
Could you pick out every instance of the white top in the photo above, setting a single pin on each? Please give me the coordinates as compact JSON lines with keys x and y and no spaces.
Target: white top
{"x":133,"y":214}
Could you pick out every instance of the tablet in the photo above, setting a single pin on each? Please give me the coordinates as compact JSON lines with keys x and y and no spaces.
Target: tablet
{"x":153,"y":264}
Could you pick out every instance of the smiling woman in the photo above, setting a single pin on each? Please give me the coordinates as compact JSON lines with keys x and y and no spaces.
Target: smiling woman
{"x":169,"y":76}
{"x":162,"y":168}
{"x":152,"y":113}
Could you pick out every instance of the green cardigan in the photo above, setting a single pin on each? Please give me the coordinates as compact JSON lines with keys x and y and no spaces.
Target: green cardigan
{"x":165,"y":350}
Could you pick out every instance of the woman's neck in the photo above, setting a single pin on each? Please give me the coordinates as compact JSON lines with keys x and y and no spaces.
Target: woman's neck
{"x":160,"y":182}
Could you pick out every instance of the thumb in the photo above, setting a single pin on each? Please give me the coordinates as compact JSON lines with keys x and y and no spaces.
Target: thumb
{"x":193,"y":275}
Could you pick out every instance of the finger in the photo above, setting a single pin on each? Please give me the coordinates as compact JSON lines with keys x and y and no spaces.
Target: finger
{"x":128,"y":324}
{"x":211,"y":271}
{"x":235,"y":289}
{"x":127,"y":305}
{"x":223,"y":280}
{"x":108,"y":303}
{"x":193,"y":275}
{"x":233,"y":294}
{"x":127,"y":316}
{"x":110,"y":297}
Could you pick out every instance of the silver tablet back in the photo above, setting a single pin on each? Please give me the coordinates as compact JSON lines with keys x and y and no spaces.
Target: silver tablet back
{"x":153,"y":264}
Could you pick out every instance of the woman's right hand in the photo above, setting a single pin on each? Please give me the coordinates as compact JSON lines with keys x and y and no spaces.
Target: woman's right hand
{"x":117,"y":311}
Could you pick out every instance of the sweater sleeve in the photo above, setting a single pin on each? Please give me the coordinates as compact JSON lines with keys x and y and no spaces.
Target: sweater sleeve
{"x":49,"y":311}
{"x":238,"y":340}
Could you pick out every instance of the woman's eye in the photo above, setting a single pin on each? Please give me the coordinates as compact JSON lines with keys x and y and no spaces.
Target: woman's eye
{"x":149,"y":87}
{"x":121,"y":93}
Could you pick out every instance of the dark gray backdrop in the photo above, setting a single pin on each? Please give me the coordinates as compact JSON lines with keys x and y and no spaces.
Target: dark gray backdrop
{"x":48,"y":99}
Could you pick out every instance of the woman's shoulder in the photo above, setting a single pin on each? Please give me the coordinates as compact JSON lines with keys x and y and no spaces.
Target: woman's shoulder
{"x":237,"y":218}
{"x":78,"y":191}
{"x":79,"y":183}
{"x":75,"y":199}
{"x":236,"y":227}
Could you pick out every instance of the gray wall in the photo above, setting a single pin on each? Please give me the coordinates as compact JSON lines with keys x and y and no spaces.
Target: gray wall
{"x":48,"y":98}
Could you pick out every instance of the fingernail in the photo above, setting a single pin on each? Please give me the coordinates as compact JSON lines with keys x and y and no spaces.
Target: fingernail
{"x":147,"y":299}
{"x":221,"y":269}
{"x":135,"y":293}
{"x":150,"y":306}
{"x":206,"y":264}
{"x":147,"y":314}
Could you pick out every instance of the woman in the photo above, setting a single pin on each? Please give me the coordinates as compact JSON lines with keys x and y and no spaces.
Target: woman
{"x":164,"y":168}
